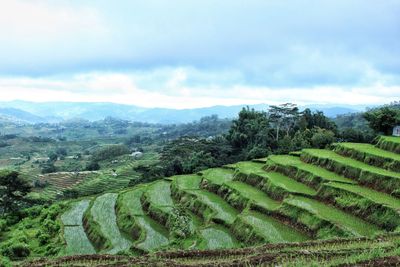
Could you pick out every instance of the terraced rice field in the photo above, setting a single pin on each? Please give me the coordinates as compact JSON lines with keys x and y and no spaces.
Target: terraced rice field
{"x":287,"y":184}
{"x":218,"y":175}
{"x":370,"y":154}
{"x":217,"y":237}
{"x":103,"y":212}
{"x":75,"y":237}
{"x":189,"y":182}
{"x":373,"y":195}
{"x":221,"y":210}
{"x":154,"y":235}
{"x":378,"y":178}
{"x":319,"y":194}
{"x":389,"y":143}
{"x":270,"y":229}
{"x":315,"y":174}
{"x":345,"y":221}
{"x":253,"y":195}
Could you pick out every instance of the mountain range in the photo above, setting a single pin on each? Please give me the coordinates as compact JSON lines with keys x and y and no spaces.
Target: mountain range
{"x":35,"y":112}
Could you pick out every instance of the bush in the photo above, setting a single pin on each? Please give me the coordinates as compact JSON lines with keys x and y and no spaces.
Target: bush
{"x":322,"y":138}
{"x":5,"y":262}
{"x":92,"y":166}
{"x":110,"y":151}
{"x":17,"y":251}
{"x":3,"y":225}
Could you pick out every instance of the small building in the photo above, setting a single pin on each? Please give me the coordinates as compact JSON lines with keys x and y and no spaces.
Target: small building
{"x":396,"y":131}
{"x":137,"y":155}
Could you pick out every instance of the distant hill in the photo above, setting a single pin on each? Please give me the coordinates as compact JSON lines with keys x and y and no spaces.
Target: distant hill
{"x":58,"y":111}
{"x":17,"y":115}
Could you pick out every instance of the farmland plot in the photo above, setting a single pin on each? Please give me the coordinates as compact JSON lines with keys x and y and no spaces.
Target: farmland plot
{"x":74,"y":233}
{"x":103,"y":212}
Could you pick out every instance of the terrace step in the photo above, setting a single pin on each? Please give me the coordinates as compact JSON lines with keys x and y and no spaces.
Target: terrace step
{"x":241,"y":195}
{"x":309,"y":174}
{"x":253,"y":227}
{"x":389,"y":143}
{"x":375,"y":177}
{"x":245,"y":166}
{"x":206,"y":204}
{"x":370,"y":154}
{"x":324,"y":220}
{"x":103,"y":213}
{"x":216,"y":237}
{"x":147,"y":233}
{"x":274,"y":184}
{"x":376,"y":207}
{"x":75,"y":237}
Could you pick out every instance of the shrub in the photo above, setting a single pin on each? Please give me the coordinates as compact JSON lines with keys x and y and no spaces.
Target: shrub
{"x":17,"y":251}
{"x":5,"y":262}
{"x":110,"y":151}
{"x":322,"y":138}
{"x":92,"y":166}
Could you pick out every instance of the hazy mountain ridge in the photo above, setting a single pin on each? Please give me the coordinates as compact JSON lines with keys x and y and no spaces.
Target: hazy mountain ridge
{"x":31,"y":112}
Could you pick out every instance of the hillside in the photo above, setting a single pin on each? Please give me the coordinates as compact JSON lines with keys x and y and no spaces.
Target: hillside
{"x":351,"y":192}
{"x":59,"y":111}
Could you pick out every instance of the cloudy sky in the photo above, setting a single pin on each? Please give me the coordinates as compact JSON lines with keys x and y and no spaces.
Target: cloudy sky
{"x":187,"y":53}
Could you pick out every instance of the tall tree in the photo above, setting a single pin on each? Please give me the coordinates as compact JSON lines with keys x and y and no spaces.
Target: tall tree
{"x":383,"y":120}
{"x":13,"y":189}
{"x":284,"y":116}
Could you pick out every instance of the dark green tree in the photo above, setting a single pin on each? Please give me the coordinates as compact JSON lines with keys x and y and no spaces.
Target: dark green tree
{"x":383,"y":120}
{"x":284,"y":117}
{"x":13,"y":189}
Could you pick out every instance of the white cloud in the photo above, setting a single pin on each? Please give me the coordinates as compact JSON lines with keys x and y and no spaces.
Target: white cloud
{"x":26,"y":20}
{"x":173,"y":93}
